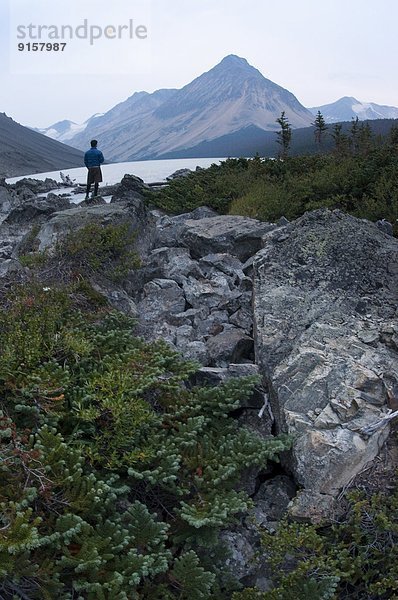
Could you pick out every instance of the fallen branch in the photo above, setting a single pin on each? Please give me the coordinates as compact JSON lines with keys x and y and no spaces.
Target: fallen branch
{"x":267,"y":406}
{"x":380,"y":424}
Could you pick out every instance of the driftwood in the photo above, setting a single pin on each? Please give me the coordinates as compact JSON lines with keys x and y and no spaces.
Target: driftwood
{"x":380,"y":424}
{"x":267,"y":406}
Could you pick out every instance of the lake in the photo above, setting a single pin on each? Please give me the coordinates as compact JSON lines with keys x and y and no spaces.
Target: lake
{"x":149,"y":170}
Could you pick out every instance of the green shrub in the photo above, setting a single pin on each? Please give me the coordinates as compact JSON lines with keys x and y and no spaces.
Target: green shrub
{"x":115,"y":476}
{"x":355,"y":558}
{"x":363,"y":183}
{"x":96,"y":247}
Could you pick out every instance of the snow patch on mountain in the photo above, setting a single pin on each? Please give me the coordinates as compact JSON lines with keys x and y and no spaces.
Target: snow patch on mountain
{"x":348,"y":108}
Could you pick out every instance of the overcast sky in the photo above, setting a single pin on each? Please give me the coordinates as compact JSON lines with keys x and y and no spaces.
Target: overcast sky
{"x":320,"y":50}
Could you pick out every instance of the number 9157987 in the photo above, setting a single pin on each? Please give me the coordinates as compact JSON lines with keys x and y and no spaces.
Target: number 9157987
{"x":41,"y":47}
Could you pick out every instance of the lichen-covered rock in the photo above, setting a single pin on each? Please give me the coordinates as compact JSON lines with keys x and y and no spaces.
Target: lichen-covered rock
{"x":172,"y":263}
{"x":170,"y":229}
{"x":161,"y":298}
{"x":134,"y":214}
{"x":325,"y":290}
{"x":239,"y":236}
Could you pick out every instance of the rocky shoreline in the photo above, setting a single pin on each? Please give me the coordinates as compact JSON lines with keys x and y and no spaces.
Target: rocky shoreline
{"x":309,"y":306}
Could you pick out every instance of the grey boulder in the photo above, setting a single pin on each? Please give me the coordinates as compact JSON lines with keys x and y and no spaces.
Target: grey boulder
{"x":324,"y":293}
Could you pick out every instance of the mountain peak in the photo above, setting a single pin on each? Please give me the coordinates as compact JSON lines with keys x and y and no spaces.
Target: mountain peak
{"x":230,"y":97}
{"x":233,"y":59}
{"x":235,"y":64}
{"x":348,"y":99}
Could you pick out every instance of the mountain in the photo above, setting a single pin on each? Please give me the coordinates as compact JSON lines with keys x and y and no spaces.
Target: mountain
{"x":65,"y":130}
{"x":230,"y":97}
{"x":23,"y":151}
{"x":348,"y":108}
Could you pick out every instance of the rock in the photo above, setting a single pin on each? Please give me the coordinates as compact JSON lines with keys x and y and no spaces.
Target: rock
{"x":282,"y":222}
{"x":385,"y":226}
{"x":247,"y":564}
{"x":134,"y":214}
{"x":96,"y":201}
{"x":37,"y":209}
{"x":161,"y":298}
{"x":202,"y":212}
{"x":230,"y":346}
{"x":9,"y":267}
{"x":325,"y":363}
{"x":192,"y":316}
{"x":241,"y":561}
{"x":130,"y":188}
{"x":243,"y":318}
{"x":173,"y":263}
{"x":24,"y":193}
{"x":257,"y":421}
{"x":230,"y":266}
{"x":170,"y":229}
{"x":196,"y":351}
{"x":184,"y":335}
{"x":118,"y":299}
{"x":213,"y":292}
{"x":178,"y":174}
{"x":272,"y":500}
{"x":36,"y":185}
{"x":5,"y":250}
{"x":309,"y":506}
{"x":214,"y":323}
{"x":7,"y":199}
{"x":239,"y":236}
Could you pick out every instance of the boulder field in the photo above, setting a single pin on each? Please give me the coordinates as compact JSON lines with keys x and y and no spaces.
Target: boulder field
{"x":310,"y":306}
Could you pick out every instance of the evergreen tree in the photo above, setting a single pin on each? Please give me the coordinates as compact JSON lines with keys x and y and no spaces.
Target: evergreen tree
{"x":284,"y":136}
{"x":393,"y":137}
{"x":341,"y":142}
{"x":320,"y":129}
{"x":354,"y":139}
{"x":365,"y":139}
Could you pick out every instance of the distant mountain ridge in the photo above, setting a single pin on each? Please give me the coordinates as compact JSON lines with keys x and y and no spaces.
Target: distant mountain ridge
{"x":348,"y":108}
{"x":64,"y":130}
{"x":230,"y":97}
{"x":23,"y":151}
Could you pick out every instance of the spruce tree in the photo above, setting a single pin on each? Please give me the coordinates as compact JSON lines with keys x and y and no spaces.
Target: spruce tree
{"x":354,"y":139}
{"x":284,"y":136}
{"x":341,"y":141}
{"x":320,"y":129}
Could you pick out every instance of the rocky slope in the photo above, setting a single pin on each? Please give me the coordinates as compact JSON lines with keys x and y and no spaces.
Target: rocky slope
{"x":310,"y":306}
{"x":230,"y":97}
{"x":25,"y":151}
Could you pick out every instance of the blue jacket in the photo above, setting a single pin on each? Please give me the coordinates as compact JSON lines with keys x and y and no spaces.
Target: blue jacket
{"x":93,"y":158}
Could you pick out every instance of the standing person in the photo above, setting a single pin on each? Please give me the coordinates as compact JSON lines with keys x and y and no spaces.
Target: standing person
{"x":93,"y":160}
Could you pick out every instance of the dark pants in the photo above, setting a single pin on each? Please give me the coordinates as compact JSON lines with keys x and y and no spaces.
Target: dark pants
{"x":95,"y":193}
{"x":94,"y":176}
